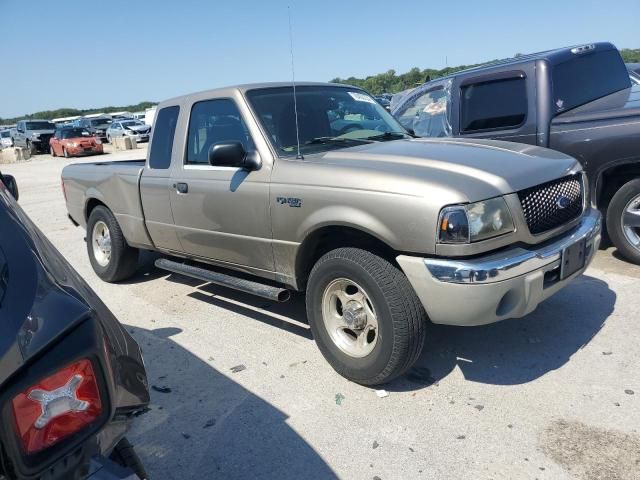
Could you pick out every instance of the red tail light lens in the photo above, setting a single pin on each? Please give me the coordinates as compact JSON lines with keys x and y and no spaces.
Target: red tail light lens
{"x":57,"y":406}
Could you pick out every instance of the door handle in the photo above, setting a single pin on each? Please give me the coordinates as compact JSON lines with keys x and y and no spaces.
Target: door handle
{"x":181,"y":187}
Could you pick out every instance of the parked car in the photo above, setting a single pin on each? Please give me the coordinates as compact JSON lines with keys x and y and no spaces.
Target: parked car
{"x":380,"y":230}
{"x":129,"y":128}
{"x":72,"y":379}
{"x":576,"y":100}
{"x":384,"y":101}
{"x":34,"y":135}
{"x":96,"y":126}
{"x":74,"y":142}
{"x":5,"y":139}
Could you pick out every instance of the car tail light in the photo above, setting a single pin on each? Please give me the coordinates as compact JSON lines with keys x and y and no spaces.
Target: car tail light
{"x":57,"y":406}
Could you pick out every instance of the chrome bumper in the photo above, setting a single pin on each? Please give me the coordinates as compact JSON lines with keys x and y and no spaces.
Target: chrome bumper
{"x":507,"y":284}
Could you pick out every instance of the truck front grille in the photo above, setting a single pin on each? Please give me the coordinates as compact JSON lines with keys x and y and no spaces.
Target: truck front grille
{"x":552,"y":204}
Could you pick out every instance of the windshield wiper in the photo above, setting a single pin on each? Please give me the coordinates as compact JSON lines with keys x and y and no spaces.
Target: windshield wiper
{"x":389,"y":136}
{"x":324,"y":140}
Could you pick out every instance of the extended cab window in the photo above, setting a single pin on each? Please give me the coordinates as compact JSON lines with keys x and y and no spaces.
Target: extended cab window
{"x":162,"y":141}
{"x":493,"y":105}
{"x":211,"y":122}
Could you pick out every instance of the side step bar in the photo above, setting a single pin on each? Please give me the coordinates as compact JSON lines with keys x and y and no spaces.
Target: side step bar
{"x":247,"y":286}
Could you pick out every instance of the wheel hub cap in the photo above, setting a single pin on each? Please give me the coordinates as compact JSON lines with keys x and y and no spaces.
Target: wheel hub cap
{"x":349,"y":318}
{"x":354,"y":315}
{"x":101,"y":240}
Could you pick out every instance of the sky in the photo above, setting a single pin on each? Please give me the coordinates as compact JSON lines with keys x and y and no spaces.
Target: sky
{"x":84,"y":54}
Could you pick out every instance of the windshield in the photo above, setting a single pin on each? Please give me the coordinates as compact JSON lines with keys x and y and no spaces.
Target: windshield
{"x":75,"y":133}
{"x":40,"y":126}
{"x":100,"y":123}
{"x":588,"y":77}
{"x":328,"y":118}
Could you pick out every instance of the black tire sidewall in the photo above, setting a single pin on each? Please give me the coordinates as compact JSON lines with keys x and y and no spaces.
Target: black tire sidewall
{"x":356,"y":368}
{"x":614,"y":220}
{"x":109,"y":272}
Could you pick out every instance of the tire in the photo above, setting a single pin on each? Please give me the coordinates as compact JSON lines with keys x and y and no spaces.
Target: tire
{"x":121,"y":261}
{"x":627,"y":241}
{"x":401,"y":319}
{"x":125,"y":455}
{"x":31,"y":147}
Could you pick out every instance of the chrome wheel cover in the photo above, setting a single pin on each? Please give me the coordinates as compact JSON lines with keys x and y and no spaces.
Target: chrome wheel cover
{"x":631,"y":222}
{"x":349,"y":317}
{"x":101,"y":242}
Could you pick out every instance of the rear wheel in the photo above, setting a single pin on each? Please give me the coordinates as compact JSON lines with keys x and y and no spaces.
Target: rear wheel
{"x":623,"y":220}
{"x":125,"y":455}
{"x":365,"y":316}
{"x":111,"y":257}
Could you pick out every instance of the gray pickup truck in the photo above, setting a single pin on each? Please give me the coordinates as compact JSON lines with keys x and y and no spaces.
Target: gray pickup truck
{"x":34,"y":135}
{"x":382,"y":231}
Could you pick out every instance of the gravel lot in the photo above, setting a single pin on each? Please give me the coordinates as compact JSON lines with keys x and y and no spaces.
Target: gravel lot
{"x":555,"y":395}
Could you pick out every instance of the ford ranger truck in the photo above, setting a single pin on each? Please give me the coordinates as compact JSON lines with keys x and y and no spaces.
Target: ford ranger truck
{"x":320,"y":190}
{"x":577,"y":100}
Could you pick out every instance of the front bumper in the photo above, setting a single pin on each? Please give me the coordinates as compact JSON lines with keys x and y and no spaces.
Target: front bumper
{"x":507,"y":284}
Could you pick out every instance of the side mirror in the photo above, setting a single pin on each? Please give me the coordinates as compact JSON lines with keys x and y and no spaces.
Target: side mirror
{"x":11,"y":184}
{"x":233,"y":154}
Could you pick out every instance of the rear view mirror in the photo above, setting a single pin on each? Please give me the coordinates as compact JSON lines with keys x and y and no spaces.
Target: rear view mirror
{"x":233,"y":154}
{"x":11,"y":184}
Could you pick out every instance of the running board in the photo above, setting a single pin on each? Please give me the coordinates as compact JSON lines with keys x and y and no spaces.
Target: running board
{"x":247,"y":286}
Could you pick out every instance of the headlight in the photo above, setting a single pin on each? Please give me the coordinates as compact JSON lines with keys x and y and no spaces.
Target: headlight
{"x":73,"y":144}
{"x":35,"y":135}
{"x":475,"y":222}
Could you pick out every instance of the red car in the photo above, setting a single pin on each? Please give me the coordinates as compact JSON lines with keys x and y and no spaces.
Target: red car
{"x":72,"y":142}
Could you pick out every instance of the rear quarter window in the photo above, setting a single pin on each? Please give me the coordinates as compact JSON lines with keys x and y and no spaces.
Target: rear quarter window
{"x":163,"y":134}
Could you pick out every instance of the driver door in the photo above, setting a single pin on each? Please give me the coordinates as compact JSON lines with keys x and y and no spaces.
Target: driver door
{"x":221,"y":213}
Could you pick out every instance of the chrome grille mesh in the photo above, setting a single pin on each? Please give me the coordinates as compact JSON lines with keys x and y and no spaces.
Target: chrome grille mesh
{"x":552,"y":204}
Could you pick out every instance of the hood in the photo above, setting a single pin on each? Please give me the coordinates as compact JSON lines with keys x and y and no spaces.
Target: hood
{"x":474,"y":169}
{"x":30,"y":132}
{"x":139,"y":128}
{"x":42,"y":298}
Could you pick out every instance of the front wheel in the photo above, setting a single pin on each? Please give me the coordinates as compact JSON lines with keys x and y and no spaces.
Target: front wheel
{"x":623,"y":220}
{"x":111,"y":257}
{"x":365,"y":316}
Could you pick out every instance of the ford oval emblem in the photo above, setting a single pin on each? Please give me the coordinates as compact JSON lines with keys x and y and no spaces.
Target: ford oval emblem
{"x":563,"y":202}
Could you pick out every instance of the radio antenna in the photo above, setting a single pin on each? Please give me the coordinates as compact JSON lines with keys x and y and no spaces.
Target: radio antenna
{"x":293,"y":83}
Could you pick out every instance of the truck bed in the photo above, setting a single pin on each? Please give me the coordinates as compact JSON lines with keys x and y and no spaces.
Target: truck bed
{"x":114,"y":184}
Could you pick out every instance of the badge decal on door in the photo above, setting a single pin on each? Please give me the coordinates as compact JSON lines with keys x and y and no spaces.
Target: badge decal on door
{"x":292,"y":202}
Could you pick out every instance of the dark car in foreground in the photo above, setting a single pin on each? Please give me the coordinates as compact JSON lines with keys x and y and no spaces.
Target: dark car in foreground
{"x":577,"y":100}
{"x":72,"y":379}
